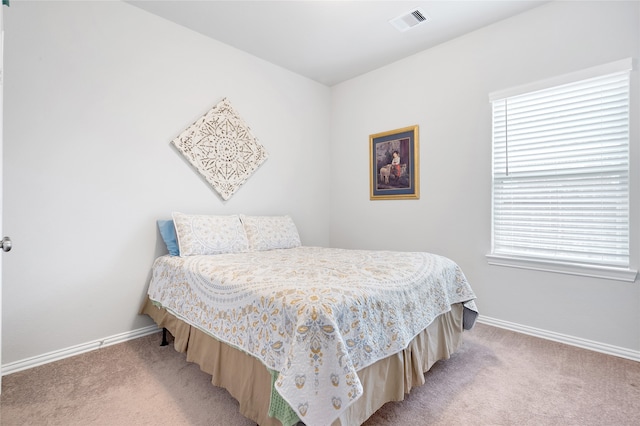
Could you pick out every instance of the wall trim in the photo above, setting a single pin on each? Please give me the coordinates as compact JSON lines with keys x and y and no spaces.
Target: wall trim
{"x":14,"y":367}
{"x":563,"y":338}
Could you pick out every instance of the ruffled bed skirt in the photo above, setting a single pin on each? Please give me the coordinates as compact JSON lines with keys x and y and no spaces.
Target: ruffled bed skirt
{"x":249,"y":381}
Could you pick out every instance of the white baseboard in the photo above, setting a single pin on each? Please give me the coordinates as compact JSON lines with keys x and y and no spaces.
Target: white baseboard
{"x":14,"y":367}
{"x":563,"y":338}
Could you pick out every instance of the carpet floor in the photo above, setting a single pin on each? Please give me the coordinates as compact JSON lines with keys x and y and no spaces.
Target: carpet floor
{"x":498,"y":377}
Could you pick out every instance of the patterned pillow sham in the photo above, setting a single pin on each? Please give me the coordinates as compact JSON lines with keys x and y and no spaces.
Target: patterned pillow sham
{"x":270,"y":232}
{"x":209,"y":234}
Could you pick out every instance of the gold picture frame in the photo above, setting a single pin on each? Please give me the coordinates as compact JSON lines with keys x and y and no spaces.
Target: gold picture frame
{"x":393,"y":164}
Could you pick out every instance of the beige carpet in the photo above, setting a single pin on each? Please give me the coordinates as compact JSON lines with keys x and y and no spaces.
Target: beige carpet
{"x":497,"y":378}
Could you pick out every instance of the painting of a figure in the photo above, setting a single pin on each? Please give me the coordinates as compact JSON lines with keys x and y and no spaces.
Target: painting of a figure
{"x":393,"y":164}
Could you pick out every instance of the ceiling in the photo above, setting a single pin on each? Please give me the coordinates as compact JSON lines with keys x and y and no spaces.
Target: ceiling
{"x":332,"y":41}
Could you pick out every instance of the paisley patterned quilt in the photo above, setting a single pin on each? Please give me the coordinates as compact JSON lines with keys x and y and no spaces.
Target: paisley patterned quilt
{"x":315,"y":315}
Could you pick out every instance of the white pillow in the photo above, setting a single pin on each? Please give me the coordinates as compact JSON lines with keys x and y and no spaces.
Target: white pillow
{"x":270,"y":232}
{"x":208,"y":234}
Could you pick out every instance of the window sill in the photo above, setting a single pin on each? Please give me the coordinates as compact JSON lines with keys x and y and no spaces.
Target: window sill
{"x":610,"y":273}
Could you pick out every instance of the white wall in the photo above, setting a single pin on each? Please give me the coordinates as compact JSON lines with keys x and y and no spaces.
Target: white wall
{"x":445,"y":91}
{"x":95,"y":92}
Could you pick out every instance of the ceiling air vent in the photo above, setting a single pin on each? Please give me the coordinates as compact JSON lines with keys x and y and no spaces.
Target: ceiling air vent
{"x":410,"y":19}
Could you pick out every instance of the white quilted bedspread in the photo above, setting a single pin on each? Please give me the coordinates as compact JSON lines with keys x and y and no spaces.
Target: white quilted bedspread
{"x":315,"y":315}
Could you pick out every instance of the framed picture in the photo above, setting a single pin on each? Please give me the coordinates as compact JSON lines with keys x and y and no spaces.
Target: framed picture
{"x":393,"y":164}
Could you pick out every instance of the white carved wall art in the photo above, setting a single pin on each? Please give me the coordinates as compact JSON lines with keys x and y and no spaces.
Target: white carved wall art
{"x":222,"y":148}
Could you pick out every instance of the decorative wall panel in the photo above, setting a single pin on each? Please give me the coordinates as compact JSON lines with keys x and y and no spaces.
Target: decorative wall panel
{"x":222,"y":148}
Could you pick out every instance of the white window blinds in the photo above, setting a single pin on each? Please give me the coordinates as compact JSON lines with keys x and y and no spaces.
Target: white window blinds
{"x":561,"y":173}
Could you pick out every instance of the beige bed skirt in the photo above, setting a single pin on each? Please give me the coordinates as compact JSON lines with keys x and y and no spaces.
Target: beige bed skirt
{"x":249,"y":381}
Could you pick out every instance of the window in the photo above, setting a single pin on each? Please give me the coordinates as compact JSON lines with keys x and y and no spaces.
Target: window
{"x":561,"y":176}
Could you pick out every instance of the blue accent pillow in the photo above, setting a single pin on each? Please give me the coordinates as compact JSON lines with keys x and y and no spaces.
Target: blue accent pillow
{"x":168,"y":232}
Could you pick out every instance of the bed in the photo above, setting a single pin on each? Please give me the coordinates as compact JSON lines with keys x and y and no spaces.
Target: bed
{"x":325,"y":336}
